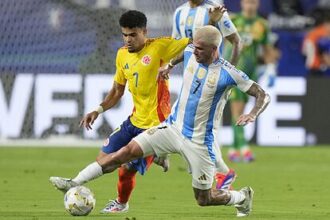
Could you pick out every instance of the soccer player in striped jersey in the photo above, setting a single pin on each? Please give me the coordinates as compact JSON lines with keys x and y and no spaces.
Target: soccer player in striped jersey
{"x":194,"y":14}
{"x":187,"y":18}
{"x":189,"y":130}
{"x":137,"y":65}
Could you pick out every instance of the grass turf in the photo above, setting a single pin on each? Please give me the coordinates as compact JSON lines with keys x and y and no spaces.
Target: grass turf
{"x":289,"y":183}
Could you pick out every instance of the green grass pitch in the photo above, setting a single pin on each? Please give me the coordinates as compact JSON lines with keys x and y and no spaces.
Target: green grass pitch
{"x":289,"y":183}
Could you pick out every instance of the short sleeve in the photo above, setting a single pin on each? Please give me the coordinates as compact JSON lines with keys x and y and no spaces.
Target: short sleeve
{"x":226,"y":26}
{"x":173,"y":47}
{"x":175,"y":26}
{"x":119,"y":76}
{"x":242,"y":80}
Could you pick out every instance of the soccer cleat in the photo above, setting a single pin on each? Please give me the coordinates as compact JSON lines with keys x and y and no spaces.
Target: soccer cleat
{"x":62,"y":184}
{"x":248,"y":156}
{"x":225,"y":181}
{"x":234,"y":156}
{"x":115,"y":207}
{"x":245,"y":208}
{"x":163,"y":162}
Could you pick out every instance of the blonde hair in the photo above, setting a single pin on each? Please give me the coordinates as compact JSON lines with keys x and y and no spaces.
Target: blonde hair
{"x":208,"y":34}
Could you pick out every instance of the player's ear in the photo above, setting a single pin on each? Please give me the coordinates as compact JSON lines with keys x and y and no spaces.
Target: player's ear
{"x":145,"y":31}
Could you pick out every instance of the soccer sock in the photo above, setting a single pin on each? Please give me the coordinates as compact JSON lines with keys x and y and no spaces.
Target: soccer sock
{"x":236,"y":197}
{"x":239,"y":137}
{"x":126,"y":184}
{"x":92,"y":171}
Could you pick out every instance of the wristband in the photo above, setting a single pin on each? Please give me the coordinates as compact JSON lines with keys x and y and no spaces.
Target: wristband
{"x":99,"y":109}
{"x":170,"y":64}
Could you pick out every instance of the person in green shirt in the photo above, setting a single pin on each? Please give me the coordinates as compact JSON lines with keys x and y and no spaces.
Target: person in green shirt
{"x":254,"y":32}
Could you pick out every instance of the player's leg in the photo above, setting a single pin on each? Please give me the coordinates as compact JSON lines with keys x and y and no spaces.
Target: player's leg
{"x":201,"y":161}
{"x":224,"y":176}
{"x":116,"y":140}
{"x":237,"y":103}
{"x":242,"y":200}
{"x":126,"y":177}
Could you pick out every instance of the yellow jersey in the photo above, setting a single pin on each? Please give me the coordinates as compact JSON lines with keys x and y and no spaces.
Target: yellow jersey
{"x":151,"y":98}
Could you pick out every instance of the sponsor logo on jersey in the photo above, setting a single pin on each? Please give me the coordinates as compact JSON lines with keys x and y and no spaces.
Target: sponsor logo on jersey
{"x":146,"y":60}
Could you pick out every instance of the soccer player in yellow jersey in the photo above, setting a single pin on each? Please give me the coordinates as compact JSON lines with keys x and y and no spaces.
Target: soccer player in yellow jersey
{"x":137,"y":65}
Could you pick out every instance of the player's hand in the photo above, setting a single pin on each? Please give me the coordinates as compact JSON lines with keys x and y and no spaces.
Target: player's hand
{"x":245,"y":119}
{"x":163,"y":72}
{"x":88,"y":120}
{"x":216,"y":14}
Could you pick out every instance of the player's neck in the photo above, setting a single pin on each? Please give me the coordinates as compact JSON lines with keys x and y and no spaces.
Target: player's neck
{"x":141,"y":47}
{"x":212,"y":59}
{"x":249,"y":14}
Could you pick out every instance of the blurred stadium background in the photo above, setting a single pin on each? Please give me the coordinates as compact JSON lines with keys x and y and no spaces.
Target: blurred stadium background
{"x":57,"y":63}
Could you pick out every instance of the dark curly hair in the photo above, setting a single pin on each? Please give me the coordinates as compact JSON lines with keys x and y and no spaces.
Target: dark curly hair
{"x":133,"y":19}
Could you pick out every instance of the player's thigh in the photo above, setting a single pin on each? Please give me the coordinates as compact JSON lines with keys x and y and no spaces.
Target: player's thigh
{"x":201,"y":160}
{"x":119,"y":138}
{"x":159,"y":140}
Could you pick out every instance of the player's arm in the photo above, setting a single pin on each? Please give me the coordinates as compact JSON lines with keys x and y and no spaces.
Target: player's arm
{"x":113,"y":96}
{"x":262,"y":100}
{"x":111,"y":99}
{"x":235,"y":40}
{"x":164,"y":71}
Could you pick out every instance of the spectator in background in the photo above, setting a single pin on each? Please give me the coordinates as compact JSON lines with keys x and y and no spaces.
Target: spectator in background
{"x":254,"y":33}
{"x":324,"y":48}
{"x":314,"y":62}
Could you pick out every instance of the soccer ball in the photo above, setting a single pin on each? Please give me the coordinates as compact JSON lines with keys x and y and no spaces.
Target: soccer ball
{"x":79,"y":201}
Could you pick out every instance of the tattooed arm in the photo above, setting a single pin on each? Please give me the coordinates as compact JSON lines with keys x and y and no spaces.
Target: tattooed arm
{"x":262,"y":100}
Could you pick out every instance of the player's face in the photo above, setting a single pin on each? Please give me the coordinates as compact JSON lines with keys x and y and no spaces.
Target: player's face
{"x":134,"y":38}
{"x":197,"y":2}
{"x":203,"y":52}
{"x":250,"y":6}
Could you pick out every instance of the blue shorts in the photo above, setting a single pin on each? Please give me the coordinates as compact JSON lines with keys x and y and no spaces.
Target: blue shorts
{"x":119,"y":138}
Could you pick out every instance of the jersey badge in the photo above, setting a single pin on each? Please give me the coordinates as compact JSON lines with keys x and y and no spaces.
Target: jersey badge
{"x":201,"y":73}
{"x":146,"y":60}
{"x":211,"y":80}
{"x":190,"y":69}
{"x":190,"y":21}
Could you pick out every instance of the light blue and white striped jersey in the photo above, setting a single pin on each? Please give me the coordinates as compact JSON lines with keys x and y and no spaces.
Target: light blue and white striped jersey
{"x":187,"y":19}
{"x":204,"y":93}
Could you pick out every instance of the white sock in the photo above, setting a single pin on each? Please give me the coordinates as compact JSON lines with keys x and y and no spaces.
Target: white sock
{"x":236,"y":197}
{"x":92,"y":171}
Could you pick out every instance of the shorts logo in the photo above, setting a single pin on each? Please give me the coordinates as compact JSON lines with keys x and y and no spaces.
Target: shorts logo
{"x":151,"y":131}
{"x":202,"y":177}
{"x":146,"y":60}
{"x":106,"y":142}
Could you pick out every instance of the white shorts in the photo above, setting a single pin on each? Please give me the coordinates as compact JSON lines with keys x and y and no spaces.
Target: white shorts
{"x":166,"y":139}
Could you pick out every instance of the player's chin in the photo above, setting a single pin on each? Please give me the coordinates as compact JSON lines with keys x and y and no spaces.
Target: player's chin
{"x":131,"y":49}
